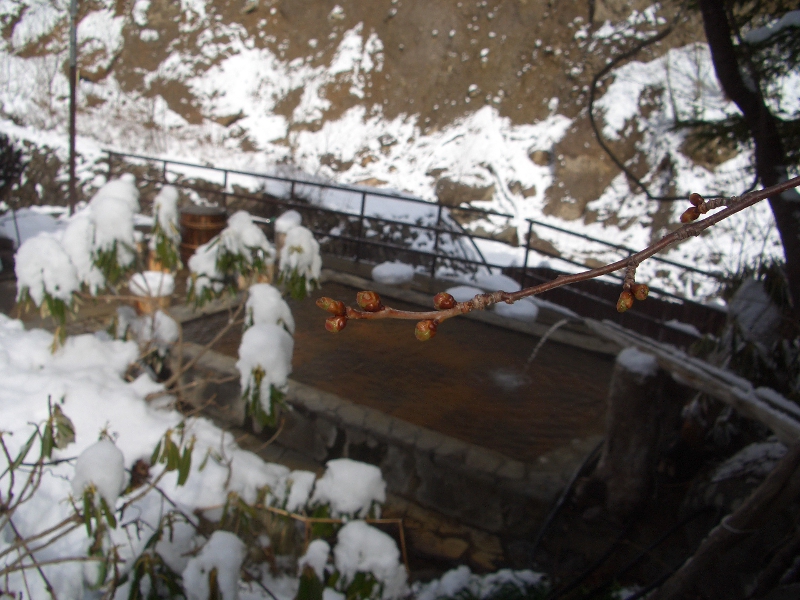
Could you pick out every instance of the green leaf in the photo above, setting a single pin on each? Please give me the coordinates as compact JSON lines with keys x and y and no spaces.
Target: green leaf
{"x":185,"y":465}
{"x":156,"y":453}
{"x":311,"y":587}
{"x":173,"y":455}
{"x":109,"y":514}
{"x":23,"y":452}
{"x":88,"y":506}
{"x":47,"y":440}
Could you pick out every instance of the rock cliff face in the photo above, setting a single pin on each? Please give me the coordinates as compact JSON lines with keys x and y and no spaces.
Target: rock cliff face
{"x":475,"y":101}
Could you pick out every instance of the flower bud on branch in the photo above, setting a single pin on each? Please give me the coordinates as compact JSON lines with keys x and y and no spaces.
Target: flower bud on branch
{"x":335,"y":307}
{"x":700,"y":206}
{"x":369,"y":301}
{"x":640,"y":291}
{"x":425,"y":330}
{"x":335,"y":324}
{"x":625,"y":301}
{"x":443,"y":301}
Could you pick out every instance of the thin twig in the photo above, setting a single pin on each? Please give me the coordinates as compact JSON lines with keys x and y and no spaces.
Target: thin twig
{"x":21,"y":538}
{"x":175,"y":376}
{"x":484,"y":301}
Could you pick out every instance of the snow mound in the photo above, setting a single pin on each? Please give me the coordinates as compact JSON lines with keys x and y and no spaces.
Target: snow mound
{"x":522,"y":310}
{"x":269,"y":347}
{"x":288,"y":220}
{"x":152,"y":284}
{"x":393,"y":273}
{"x":637,"y":362}
{"x":363,"y":548}
{"x":103,"y":466}
{"x":350,"y":488}
{"x":462,"y":293}
{"x":224,"y":552}
{"x":266,"y":305}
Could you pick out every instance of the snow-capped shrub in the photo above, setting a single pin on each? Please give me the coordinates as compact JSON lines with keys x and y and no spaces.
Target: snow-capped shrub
{"x":243,"y":246}
{"x":350,"y":489}
{"x":206,"y":281}
{"x":266,"y":305}
{"x":217,"y":566}
{"x":368,"y":563}
{"x":288,"y":220}
{"x":101,"y":466}
{"x":265,"y":361}
{"x":300,"y":262}
{"x":240,"y":250}
{"x":166,"y":237}
{"x":96,"y":248}
{"x":46,"y":275}
{"x":111,"y":210}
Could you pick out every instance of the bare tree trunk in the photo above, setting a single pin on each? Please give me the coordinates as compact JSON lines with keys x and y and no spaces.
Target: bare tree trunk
{"x":770,"y":155}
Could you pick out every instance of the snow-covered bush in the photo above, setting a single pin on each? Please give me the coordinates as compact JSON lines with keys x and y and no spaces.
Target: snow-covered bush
{"x":241,"y":252}
{"x":300,"y":262}
{"x":96,"y":248}
{"x":366,"y":565}
{"x":349,"y":489}
{"x":166,"y":234}
{"x":265,"y":305}
{"x":265,"y":361}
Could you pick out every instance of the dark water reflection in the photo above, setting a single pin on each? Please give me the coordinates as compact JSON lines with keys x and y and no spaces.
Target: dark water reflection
{"x":470,"y":381}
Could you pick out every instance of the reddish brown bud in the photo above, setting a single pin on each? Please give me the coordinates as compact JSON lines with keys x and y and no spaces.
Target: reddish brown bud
{"x":690,"y":215}
{"x":696,"y":199}
{"x":443,"y":301}
{"x":425,"y":330}
{"x":335,"y":324}
{"x":334,"y":307}
{"x":625,"y":301}
{"x":640,"y":291}
{"x":369,"y":301}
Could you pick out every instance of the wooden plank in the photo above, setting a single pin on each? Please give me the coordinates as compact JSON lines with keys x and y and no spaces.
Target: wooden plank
{"x":769,"y":408}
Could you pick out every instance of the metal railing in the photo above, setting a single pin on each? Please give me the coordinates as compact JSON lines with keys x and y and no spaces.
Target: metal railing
{"x":437,"y":228}
{"x":359,"y":234}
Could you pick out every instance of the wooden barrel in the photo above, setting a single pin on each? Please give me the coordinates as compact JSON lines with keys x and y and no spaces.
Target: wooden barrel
{"x":198,"y":225}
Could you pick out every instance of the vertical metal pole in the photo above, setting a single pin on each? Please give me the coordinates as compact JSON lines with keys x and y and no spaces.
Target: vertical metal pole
{"x":527,"y":252}
{"x":110,"y":167}
{"x":291,"y":191}
{"x":73,"y":74}
{"x":225,"y":190}
{"x":164,"y":172}
{"x":436,"y":242}
{"x":360,"y":225}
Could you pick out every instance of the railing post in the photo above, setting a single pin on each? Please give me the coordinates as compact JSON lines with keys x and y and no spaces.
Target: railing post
{"x":164,"y":172}
{"x":110,"y":160}
{"x":360,"y":225}
{"x":225,"y":180}
{"x":291,"y":191}
{"x":527,"y":252}
{"x":436,"y":241}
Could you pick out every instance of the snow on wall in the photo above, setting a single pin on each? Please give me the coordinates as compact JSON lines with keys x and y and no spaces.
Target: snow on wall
{"x":639,"y":363}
